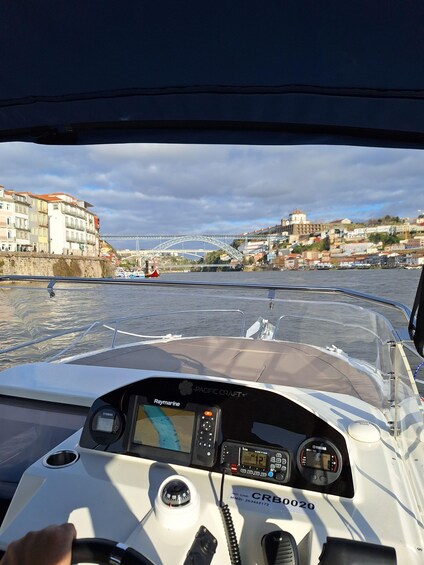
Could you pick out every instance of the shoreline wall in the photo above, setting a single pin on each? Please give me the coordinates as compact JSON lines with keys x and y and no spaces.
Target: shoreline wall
{"x":49,"y":265}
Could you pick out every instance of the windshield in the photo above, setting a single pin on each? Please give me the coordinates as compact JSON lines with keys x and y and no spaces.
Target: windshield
{"x":357,"y":334}
{"x":344,"y":217}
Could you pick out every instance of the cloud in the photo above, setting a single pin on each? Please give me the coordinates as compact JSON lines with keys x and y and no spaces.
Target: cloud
{"x":148,"y":188}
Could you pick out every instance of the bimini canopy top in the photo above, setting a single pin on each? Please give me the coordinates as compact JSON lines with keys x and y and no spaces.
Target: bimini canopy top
{"x":218,"y":71}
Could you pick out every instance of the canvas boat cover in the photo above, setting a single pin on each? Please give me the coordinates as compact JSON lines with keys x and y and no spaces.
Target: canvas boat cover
{"x":212,"y":71}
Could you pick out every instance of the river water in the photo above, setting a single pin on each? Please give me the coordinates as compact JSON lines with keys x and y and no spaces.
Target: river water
{"x":29,"y":314}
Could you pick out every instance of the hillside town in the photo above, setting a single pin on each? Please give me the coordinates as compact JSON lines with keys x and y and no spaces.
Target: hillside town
{"x":299,"y":243}
{"x":61,"y":224}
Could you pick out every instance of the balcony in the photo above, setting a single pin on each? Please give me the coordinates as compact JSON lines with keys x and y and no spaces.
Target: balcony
{"x":74,"y":239}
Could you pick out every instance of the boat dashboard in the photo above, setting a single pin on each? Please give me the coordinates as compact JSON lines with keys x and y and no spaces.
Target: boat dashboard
{"x":245,"y":432}
{"x":165,"y":460}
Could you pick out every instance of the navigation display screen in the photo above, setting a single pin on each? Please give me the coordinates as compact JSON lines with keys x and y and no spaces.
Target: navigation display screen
{"x":164,"y":427}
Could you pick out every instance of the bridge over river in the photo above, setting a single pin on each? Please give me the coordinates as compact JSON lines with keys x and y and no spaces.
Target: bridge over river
{"x":156,"y":244}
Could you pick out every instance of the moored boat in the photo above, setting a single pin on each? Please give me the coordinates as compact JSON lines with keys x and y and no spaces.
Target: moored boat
{"x":153,"y":275}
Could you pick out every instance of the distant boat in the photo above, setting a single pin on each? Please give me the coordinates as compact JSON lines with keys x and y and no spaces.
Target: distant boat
{"x":136,"y":275}
{"x":150,"y":274}
{"x":154,"y":274}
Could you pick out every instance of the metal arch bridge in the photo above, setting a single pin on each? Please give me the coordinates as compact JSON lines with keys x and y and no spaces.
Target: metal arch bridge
{"x":231,"y":251}
{"x":217,"y":241}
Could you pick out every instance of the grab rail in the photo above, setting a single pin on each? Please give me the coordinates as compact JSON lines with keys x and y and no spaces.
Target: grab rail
{"x":204,"y":284}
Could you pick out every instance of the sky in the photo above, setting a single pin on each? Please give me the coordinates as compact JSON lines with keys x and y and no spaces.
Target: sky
{"x":205,"y":189}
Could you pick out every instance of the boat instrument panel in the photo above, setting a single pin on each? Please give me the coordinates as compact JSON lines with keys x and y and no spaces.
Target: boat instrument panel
{"x":248,"y":432}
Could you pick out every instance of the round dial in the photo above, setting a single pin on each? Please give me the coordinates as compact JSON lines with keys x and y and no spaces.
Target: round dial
{"x":176,"y":493}
{"x":319,"y":461}
{"x":106,"y":425}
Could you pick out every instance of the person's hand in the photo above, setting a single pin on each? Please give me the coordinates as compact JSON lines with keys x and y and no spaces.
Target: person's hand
{"x":51,"y":546}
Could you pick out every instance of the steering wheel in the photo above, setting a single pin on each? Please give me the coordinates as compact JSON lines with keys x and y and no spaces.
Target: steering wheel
{"x":103,"y":552}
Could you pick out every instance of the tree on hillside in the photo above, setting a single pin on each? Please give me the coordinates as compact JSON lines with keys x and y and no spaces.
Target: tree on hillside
{"x":325,"y":243}
{"x":214,"y":257}
{"x":320,"y":245}
{"x":236,"y":243}
{"x":386,"y":220}
{"x":384,"y":238}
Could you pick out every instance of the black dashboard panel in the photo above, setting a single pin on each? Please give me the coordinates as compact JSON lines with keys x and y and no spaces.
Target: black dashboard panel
{"x":254,"y":433}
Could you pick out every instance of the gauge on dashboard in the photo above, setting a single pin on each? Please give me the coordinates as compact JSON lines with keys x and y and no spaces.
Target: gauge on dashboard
{"x":106,"y":425}
{"x":319,"y":461}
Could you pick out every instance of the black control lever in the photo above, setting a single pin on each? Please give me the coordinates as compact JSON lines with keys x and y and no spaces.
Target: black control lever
{"x":280,"y":548}
{"x":203,"y":548}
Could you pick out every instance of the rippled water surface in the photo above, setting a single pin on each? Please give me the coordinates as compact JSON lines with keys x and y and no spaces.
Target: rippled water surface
{"x":29,"y":314}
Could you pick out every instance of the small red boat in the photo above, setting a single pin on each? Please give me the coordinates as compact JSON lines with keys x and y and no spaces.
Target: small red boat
{"x":154,"y":274}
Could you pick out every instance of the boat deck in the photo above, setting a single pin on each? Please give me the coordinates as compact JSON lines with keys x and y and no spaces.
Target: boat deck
{"x":272,"y":362}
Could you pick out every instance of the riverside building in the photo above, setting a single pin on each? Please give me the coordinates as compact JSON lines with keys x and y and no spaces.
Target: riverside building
{"x":14,"y":221}
{"x":47,"y":223}
{"x":72,"y":226}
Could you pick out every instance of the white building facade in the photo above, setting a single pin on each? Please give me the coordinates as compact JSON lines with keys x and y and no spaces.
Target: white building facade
{"x":7,"y":233}
{"x":48,"y":223}
{"x":72,"y":227}
{"x":295,"y":217}
{"x":14,"y":221}
{"x":364,"y":232}
{"x":21,"y":222}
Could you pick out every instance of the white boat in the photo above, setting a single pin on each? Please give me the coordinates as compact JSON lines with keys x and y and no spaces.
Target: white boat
{"x":292,"y":437}
{"x":300,"y":434}
{"x":121,"y":273}
{"x":136,"y":275}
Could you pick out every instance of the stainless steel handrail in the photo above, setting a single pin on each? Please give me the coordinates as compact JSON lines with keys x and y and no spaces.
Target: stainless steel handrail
{"x":204,"y":284}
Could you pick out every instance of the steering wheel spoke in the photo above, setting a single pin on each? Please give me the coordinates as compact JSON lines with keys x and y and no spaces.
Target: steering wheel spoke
{"x":104,"y":551}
